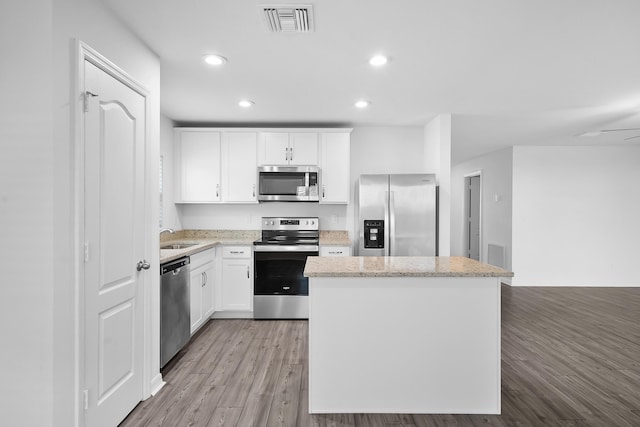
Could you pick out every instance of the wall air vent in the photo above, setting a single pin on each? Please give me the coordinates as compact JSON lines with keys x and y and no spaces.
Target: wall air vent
{"x":282,"y":18}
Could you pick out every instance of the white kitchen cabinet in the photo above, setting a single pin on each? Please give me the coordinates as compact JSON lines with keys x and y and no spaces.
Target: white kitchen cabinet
{"x":236,"y":290}
{"x":239,"y":174}
{"x":202,"y":287}
{"x":273,"y":148}
{"x":303,"y":148}
{"x":335,"y":153}
{"x":288,"y":148}
{"x":335,"y":250}
{"x":197,"y":156}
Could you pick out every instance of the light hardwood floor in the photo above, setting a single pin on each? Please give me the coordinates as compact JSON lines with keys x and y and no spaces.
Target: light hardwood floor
{"x":570,"y":357}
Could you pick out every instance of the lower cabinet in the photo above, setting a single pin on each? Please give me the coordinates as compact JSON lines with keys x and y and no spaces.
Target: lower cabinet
{"x":236,"y":287}
{"x":202,"y":287}
{"x":335,"y":251}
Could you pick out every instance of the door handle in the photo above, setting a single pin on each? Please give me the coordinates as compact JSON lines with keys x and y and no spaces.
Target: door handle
{"x":248,"y":273}
{"x":143,"y":265}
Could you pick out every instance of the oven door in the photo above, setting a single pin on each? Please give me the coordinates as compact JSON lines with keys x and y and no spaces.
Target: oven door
{"x":280,"y":272}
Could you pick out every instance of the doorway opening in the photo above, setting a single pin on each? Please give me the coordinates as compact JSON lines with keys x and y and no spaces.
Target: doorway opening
{"x":473,"y":215}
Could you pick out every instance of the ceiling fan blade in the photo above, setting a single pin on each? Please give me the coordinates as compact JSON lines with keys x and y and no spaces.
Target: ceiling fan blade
{"x":603,"y":131}
{"x":618,"y":130}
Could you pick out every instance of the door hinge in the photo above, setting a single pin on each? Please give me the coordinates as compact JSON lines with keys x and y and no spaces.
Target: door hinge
{"x":86,"y":252}
{"x":86,"y":96}
{"x":85,"y":399}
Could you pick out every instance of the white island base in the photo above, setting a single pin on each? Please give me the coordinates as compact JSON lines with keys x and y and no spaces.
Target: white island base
{"x":404,"y":345}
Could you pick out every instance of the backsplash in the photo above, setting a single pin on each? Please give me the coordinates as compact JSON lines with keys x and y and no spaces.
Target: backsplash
{"x":249,"y":216}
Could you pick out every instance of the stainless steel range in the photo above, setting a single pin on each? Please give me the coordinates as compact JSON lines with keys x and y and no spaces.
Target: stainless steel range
{"x":280,"y":289}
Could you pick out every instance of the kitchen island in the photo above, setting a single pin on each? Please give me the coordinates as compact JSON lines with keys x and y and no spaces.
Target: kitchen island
{"x":404,"y":335}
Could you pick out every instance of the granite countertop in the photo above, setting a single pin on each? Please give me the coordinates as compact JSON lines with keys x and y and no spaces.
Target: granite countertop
{"x":400,"y":267}
{"x":205,"y":239}
{"x":334,"y":238}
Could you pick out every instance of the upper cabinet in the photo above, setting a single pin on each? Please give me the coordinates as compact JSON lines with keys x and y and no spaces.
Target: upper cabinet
{"x":219,"y":165}
{"x":335,"y":149}
{"x":288,"y":148}
{"x":197,"y":155}
{"x":239,"y":176}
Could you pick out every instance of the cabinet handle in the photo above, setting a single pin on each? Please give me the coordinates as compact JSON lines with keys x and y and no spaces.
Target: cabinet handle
{"x":248,"y":272}
{"x":204,"y":279}
{"x":254,"y":190}
{"x":217,"y":190}
{"x":236,"y":252}
{"x":290,"y":153}
{"x":323,"y":191}
{"x":286,"y":153}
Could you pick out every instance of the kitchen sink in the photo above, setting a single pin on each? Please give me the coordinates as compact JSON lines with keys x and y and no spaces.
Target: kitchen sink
{"x":178,"y":245}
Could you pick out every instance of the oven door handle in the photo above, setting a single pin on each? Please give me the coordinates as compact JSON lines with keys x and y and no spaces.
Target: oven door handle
{"x":285,"y":248}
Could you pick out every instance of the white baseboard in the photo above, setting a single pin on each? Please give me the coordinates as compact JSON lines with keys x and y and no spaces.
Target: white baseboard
{"x":156,"y":384}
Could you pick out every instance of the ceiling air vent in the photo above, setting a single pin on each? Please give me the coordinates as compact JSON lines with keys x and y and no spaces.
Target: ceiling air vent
{"x":291,"y":18}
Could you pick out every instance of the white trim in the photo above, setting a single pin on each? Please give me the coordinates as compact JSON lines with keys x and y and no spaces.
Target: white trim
{"x":84,"y":52}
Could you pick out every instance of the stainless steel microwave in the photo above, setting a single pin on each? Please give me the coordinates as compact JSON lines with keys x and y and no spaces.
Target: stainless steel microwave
{"x":288,"y":183}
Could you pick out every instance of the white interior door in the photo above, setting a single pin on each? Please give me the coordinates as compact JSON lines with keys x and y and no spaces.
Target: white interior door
{"x":114,"y":243}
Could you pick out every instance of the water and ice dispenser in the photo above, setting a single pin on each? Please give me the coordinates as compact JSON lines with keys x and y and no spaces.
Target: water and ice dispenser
{"x":374,"y":233}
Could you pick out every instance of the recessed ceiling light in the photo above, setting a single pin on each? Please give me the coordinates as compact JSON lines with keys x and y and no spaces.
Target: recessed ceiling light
{"x":245,"y":103}
{"x":362,"y":103}
{"x":378,"y":60}
{"x":214,"y":60}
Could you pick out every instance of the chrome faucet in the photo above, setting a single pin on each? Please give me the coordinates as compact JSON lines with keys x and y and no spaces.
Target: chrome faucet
{"x":166,"y":230}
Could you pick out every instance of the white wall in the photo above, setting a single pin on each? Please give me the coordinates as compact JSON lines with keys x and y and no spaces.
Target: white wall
{"x":26,"y":214}
{"x":170,"y":216}
{"x":575,"y":216}
{"x":91,"y":22}
{"x":437,"y":159}
{"x":497,"y":175}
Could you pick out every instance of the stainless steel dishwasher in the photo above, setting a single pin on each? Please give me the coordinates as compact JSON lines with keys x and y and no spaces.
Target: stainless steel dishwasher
{"x":175,"y":308}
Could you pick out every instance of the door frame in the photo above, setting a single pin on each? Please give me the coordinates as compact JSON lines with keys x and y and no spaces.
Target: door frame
{"x":150,"y":382}
{"x":467,"y":180}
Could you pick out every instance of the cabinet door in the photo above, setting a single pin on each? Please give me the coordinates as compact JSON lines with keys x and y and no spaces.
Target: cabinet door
{"x":199,"y":165}
{"x":208,"y":291}
{"x":236,"y":285}
{"x":195,"y":284}
{"x":239,"y":151}
{"x":335,"y":251}
{"x":303,"y":148}
{"x":273,"y":148}
{"x":335,"y":156}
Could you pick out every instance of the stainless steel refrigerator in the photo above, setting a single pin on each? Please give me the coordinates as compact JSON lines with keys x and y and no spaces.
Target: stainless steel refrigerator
{"x":397,"y":215}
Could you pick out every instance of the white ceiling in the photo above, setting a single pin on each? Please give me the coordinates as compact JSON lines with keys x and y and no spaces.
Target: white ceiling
{"x":511,"y":72}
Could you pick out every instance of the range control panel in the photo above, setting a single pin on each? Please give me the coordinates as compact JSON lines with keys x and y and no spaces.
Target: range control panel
{"x":374,"y":233}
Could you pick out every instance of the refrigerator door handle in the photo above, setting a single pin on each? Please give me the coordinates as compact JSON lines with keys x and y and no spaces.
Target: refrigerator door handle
{"x":391,"y":236}
{"x":386,"y":223}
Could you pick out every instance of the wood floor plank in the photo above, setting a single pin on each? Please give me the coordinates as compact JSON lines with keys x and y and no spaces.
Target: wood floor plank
{"x":224,"y":417}
{"x":285,"y":403}
{"x":569,"y":359}
{"x":203,"y":406}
